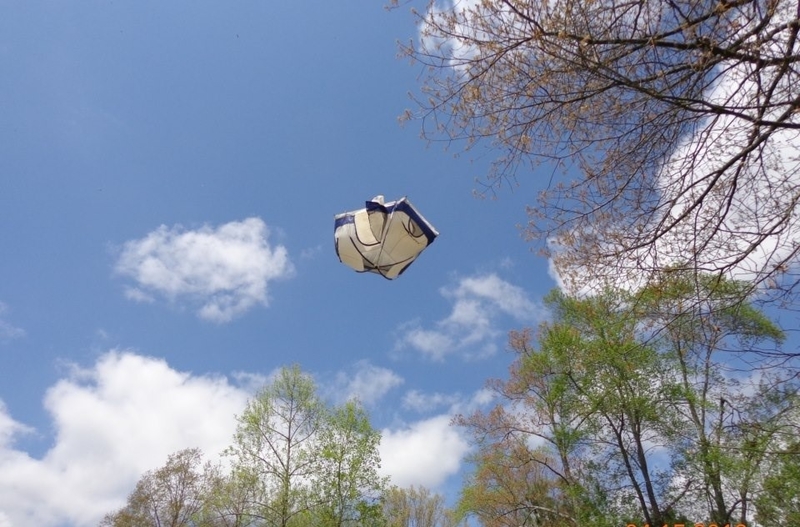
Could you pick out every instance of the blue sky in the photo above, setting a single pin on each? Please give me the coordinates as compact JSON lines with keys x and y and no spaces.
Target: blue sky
{"x":219,"y":139}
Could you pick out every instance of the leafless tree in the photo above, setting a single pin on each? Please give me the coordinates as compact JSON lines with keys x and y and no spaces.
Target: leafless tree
{"x":172,"y":496}
{"x":673,"y":126}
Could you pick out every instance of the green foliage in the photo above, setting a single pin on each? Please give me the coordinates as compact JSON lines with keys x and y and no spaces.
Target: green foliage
{"x":628,"y":409}
{"x":275,"y":446}
{"x":779,"y":504}
{"x":295,"y":462}
{"x":415,"y":507}
{"x":347,"y":474}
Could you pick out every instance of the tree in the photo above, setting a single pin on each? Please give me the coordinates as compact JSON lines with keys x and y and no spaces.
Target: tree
{"x":230,"y":499}
{"x":172,"y":496}
{"x":587,"y":395}
{"x":612,"y":418}
{"x":347,"y":479}
{"x":511,"y":487}
{"x":303,"y":462}
{"x":416,"y":507}
{"x":295,"y":462}
{"x":677,"y":120}
{"x":274,"y":447}
{"x":725,"y":435}
{"x":780,"y":505}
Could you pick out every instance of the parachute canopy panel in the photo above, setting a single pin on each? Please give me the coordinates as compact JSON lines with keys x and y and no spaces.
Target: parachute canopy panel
{"x":382,"y":238}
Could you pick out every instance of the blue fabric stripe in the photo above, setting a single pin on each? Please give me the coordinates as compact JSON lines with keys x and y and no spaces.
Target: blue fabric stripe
{"x":343,"y":219}
{"x":403,"y":205}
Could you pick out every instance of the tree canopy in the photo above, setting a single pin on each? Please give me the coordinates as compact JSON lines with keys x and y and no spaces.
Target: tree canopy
{"x":603,"y":422}
{"x":295,"y":461}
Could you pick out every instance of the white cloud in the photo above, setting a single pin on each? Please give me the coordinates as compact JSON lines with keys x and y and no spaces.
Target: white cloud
{"x":9,"y":428}
{"x":253,"y":382}
{"x":425,"y":453}
{"x":111,"y":423}
{"x":471,"y":326}
{"x":509,"y":298}
{"x":367,"y":383}
{"x":310,"y":253}
{"x":479,"y":399}
{"x":8,"y":330}
{"x":436,"y":344}
{"x":428,"y":402}
{"x":454,"y":402}
{"x":222,"y":271}
{"x":458,"y":46}
{"x":137,"y":295}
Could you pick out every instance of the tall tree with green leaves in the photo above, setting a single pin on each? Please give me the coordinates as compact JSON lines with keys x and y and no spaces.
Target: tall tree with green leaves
{"x":275,"y":445}
{"x":586,"y":396}
{"x":295,"y":461}
{"x":779,"y":504}
{"x":347,"y":480}
{"x":230,"y":499}
{"x":732,"y":400}
{"x":618,"y":414}
{"x":306,"y":462}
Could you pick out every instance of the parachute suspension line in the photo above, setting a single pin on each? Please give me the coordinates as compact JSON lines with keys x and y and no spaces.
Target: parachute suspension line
{"x":383,"y":234}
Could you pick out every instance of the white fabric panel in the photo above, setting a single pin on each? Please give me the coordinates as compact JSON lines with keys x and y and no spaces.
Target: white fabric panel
{"x":346,"y":247}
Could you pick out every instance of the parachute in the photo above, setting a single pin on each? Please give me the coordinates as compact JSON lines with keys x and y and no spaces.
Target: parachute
{"x":383,"y":238}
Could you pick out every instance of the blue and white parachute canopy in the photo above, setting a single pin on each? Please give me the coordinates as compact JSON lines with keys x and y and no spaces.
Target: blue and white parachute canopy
{"x":383,"y":238}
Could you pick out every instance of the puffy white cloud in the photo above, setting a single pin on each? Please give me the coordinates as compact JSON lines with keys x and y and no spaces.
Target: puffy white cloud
{"x":112,"y":422}
{"x":367,"y":383}
{"x":222,"y":271}
{"x":509,"y":298}
{"x":454,"y":402}
{"x":9,"y":428}
{"x":480,"y":399}
{"x":433,"y":343}
{"x":471,"y":326}
{"x":428,"y":402}
{"x":423,"y":453}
